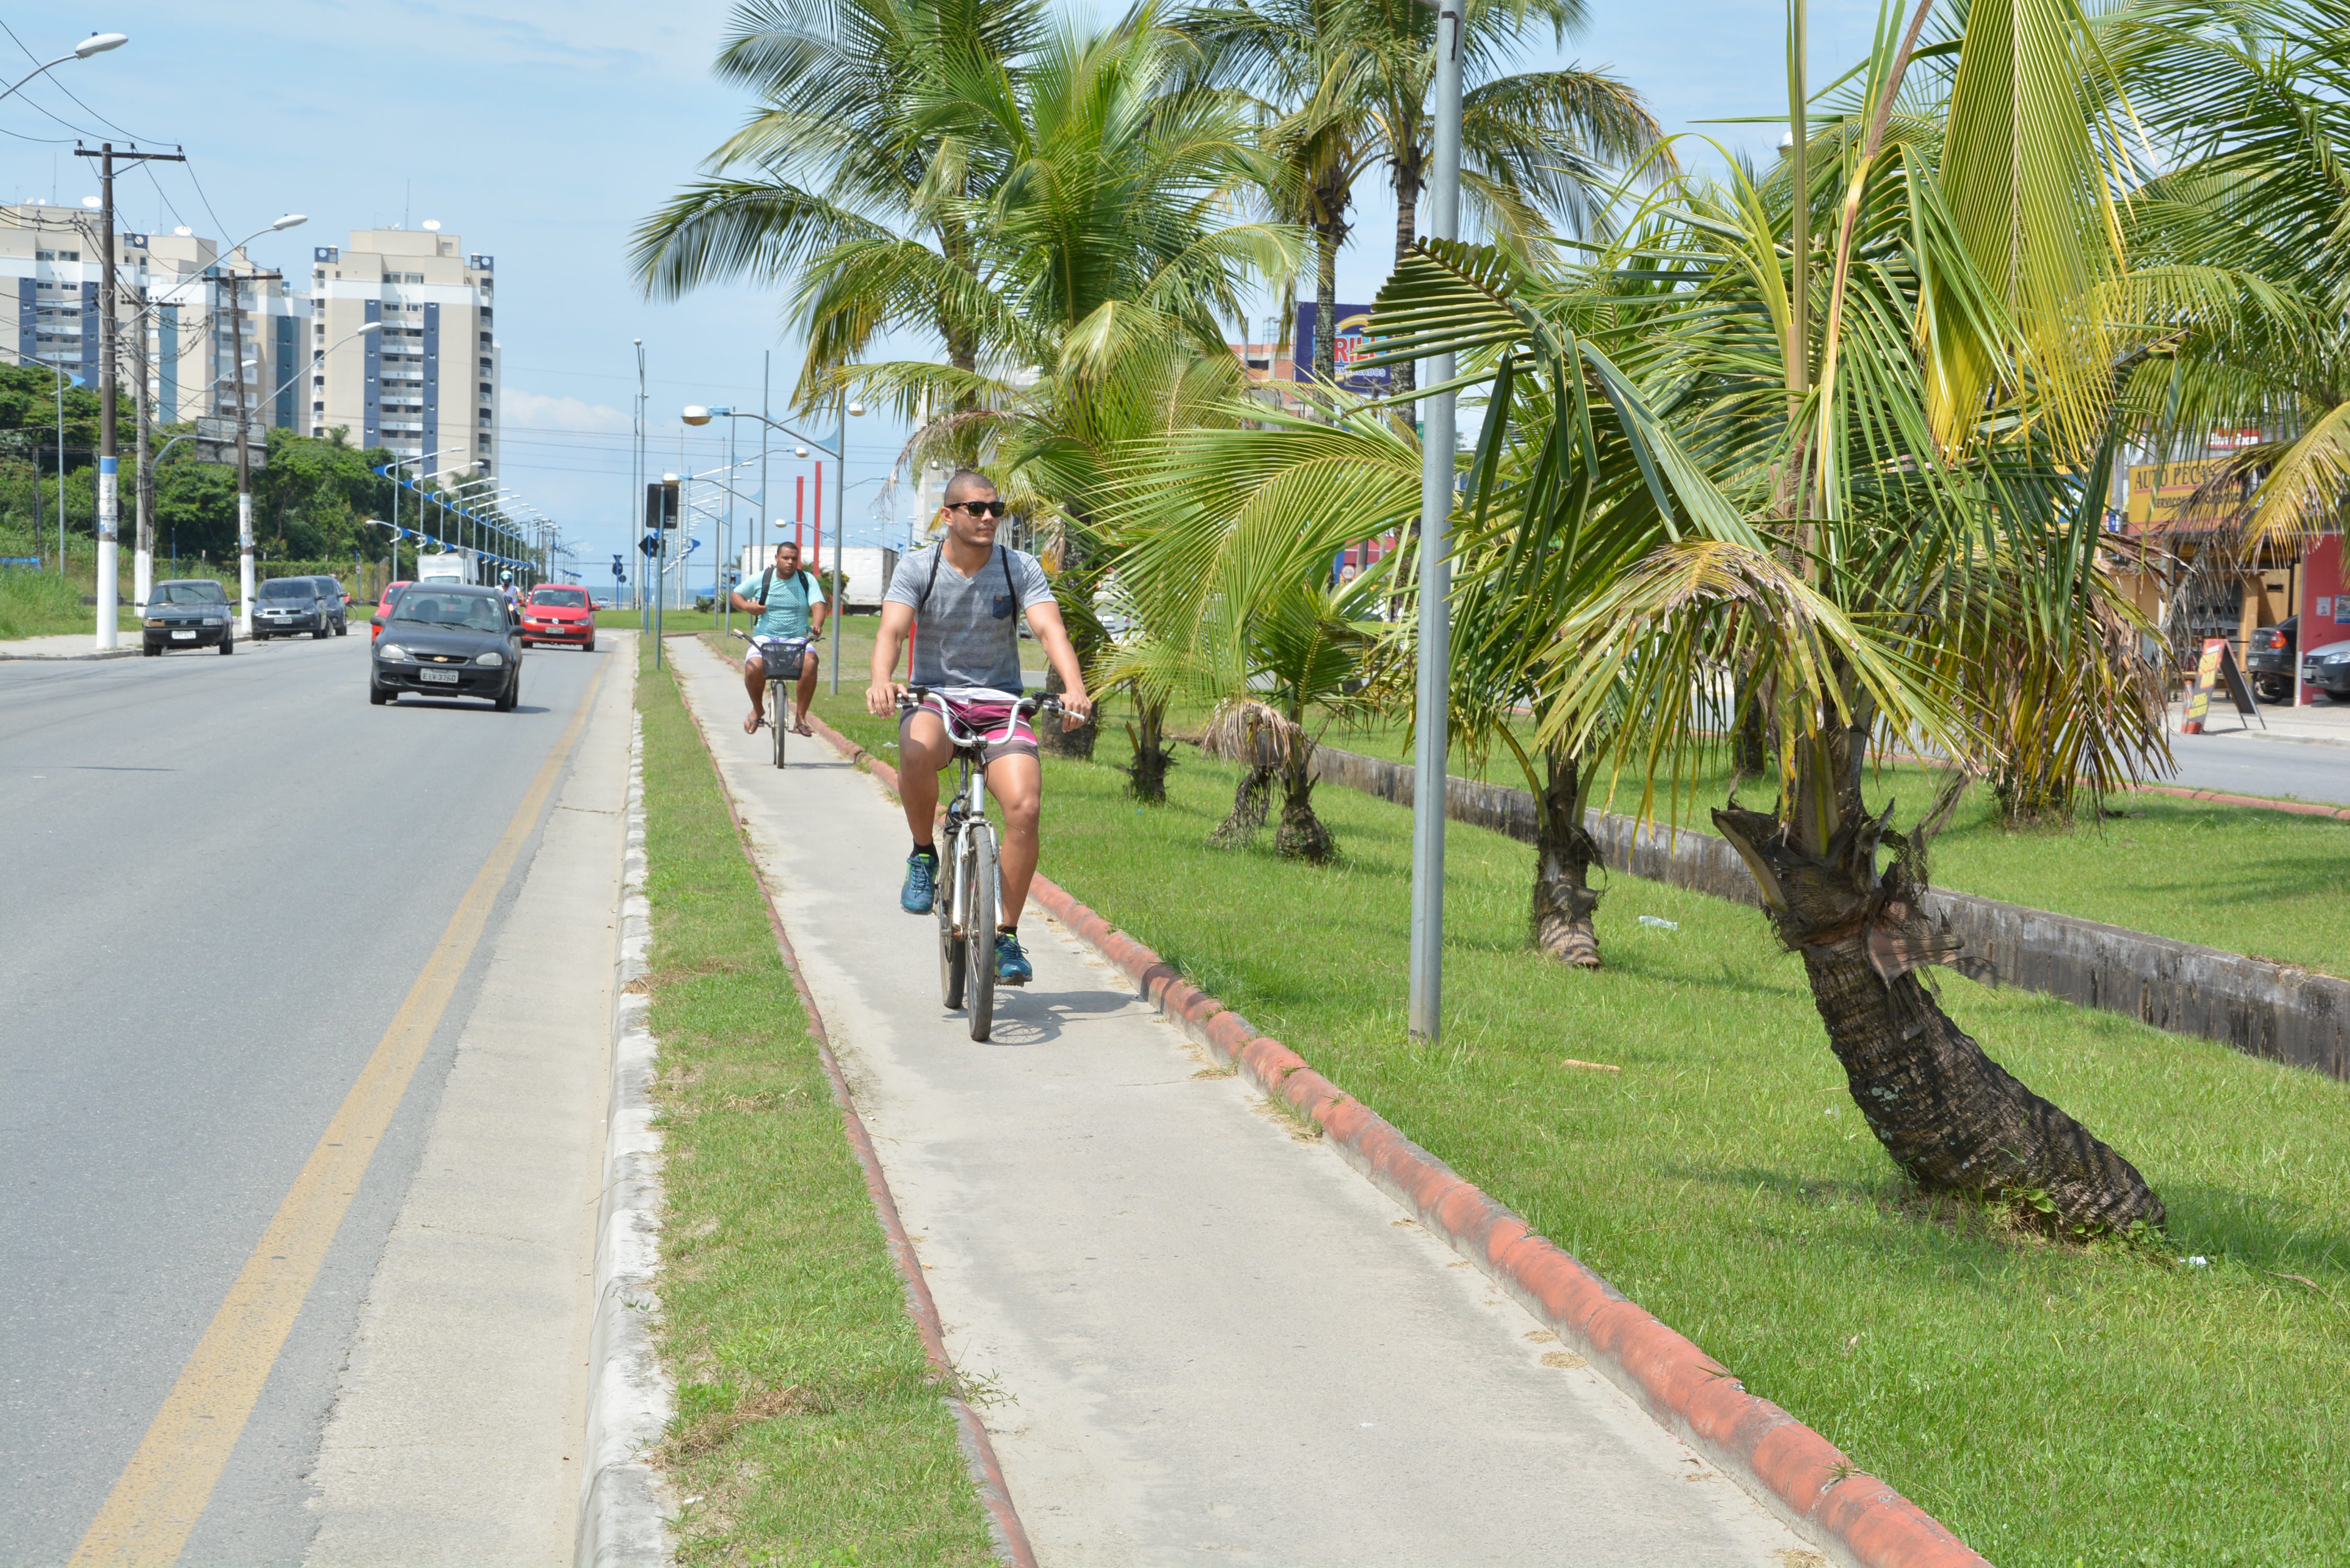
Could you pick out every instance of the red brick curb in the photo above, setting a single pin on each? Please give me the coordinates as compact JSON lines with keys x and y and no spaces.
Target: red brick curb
{"x":1792,"y":1470}
{"x":2297,"y":807}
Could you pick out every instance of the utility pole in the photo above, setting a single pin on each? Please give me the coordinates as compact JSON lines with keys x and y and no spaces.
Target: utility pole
{"x":142,"y":581}
{"x":236,"y":282}
{"x":109,"y":499}
{"x":1432,"y":722}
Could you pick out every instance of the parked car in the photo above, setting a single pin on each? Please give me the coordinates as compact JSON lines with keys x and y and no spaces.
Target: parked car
{"x":338,"y":603}
{"x":383,"y":610}
{"x":445,"y":639}
{"x":288,"y":607}
{"x":2270,"y":663}
{"x":2328,"y":669}
{"x":559,"y":613}
{"x":190,"y":613}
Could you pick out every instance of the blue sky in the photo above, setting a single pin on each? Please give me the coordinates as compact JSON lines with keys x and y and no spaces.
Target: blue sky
{"x":542,"y":133}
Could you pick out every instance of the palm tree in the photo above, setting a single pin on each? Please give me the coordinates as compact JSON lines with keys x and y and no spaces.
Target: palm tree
{"x":1852,"y":499}
{"x":1343,"y":87}
{"x":843,"y":186}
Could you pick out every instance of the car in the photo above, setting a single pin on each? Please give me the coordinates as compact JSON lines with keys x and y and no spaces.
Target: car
{"x":446,"y":639}
{"x":559,"y":613}
{"x":2327,"y":670}
{"x":2270,"y":663}
{"x":338,"y":603}
{"x":288,"y":607}
{"x":192,"y":612}
{"x":383,"y":610}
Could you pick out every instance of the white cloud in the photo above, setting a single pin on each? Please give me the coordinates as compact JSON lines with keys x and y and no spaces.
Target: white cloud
{"x":538,"y":412}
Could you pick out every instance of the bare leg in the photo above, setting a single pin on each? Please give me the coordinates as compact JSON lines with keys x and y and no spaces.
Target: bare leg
{"x":754,"y":681}
{"x":808,"y":688}
{"x":1017,"y":783}
{"x":922,"y":751}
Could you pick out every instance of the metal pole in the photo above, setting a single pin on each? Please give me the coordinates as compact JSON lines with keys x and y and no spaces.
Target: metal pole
{"x":142,"y":477}
{"x":759,"y":523}
{"x":839,"y":491}
{"x":1432,"y":721}
{"x":716,"y":562}
{"x":637,"y":500}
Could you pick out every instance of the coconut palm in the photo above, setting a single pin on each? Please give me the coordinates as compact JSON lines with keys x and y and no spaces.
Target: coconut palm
{"x":1343,"y":87}
{"x":842,"y":178}
{"x":1849,"y":502}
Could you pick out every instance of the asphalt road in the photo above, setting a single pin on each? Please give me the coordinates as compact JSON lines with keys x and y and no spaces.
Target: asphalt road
{"x":223,"y":876}
{"x":2253,"y":763}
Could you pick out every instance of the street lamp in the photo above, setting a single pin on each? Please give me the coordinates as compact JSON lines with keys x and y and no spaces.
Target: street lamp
{"x":695,"y":414}
{"x":96,"y":43}
{"x":244,"y":423}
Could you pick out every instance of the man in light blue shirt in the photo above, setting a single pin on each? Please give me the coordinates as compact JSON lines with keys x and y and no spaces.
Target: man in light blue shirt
{"x":790,"y":606}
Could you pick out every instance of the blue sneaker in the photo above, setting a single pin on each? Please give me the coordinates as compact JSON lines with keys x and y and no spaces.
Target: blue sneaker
{"x":1012,"y":965}
{"x":921,"y":888}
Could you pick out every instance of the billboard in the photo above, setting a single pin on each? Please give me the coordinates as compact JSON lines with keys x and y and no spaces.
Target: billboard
{"x":1354,"y":321}
{"x":2164,"y":498}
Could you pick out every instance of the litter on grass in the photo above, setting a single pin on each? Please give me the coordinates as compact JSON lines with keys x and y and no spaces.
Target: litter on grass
{"x":1592,"y":1066}
{"x":1660,"y":923}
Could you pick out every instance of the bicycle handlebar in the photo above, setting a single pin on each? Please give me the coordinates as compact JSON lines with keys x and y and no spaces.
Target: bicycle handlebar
{"x":923,"y":697}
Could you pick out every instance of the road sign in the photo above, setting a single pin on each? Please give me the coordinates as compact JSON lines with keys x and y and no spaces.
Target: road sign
{"x":650,"y":544}
{"x":661,"y":504}
{"x":620,"y":569}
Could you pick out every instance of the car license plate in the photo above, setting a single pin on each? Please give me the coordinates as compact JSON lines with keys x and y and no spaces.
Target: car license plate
{"x":183,"y":637}
{"x":446,"y":677}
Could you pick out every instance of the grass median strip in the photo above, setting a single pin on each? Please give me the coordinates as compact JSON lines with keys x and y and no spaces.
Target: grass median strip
{"x":809,"y":1426}
{"x":2053,"y":1405}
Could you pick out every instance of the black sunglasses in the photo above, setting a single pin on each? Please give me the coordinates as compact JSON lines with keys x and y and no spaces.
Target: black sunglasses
{"x":978,"y":508}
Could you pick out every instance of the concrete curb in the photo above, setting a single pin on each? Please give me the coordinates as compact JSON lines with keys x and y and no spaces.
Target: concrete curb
{"x":2278,"y":1013}
{"x":623,"y":1507}
{"x":70,"y":657}
{"x":1801,"y":1477}
{"x":1010,"y":1536}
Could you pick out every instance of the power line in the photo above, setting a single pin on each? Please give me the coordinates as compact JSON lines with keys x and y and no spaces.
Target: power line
{"x":68,"y":91}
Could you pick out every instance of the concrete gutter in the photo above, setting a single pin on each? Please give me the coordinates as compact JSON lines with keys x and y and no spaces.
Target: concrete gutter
{"x":623,"y":1508}
{"x":2280,"y":1013}
{"x":1858,"y":1520}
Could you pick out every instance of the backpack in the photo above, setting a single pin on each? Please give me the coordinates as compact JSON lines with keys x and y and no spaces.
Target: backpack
{"x":937,"y":554}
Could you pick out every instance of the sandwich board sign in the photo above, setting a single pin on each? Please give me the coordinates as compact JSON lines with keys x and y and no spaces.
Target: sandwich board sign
{"x":2218,"y":663}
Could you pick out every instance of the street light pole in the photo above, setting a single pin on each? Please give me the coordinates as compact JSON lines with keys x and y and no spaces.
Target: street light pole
{"x":1431,"y":741}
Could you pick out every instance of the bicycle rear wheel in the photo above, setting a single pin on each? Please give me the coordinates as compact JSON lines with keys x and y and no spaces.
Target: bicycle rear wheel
{"x":979,"y":916}
{"x":952,"y":952}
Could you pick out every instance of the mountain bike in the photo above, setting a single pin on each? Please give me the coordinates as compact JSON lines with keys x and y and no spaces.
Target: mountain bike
{"x":969,"y":891}
{"x":775,"y":654}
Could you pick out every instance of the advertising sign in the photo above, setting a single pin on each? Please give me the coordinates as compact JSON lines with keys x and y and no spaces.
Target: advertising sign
{"x":2162,"y":498}
{"x":1354,"y":320}
{"x":2219,"y":661}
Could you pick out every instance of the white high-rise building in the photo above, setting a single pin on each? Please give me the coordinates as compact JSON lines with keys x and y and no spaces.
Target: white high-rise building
{"x":425,"y":385}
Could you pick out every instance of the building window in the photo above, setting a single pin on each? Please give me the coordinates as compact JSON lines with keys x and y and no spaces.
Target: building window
{"x":486,"y":389}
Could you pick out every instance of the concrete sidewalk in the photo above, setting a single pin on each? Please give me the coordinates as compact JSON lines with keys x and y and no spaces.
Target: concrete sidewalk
{"x":2323,"y":722}
{"x":1196,"y":1335}
{"x":458,"y":1434}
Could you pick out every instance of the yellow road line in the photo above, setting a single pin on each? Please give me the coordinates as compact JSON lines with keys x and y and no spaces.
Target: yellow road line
{"x":163,"y":1490}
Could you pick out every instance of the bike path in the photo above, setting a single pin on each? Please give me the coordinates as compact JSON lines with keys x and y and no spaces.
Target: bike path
{"x":1194,"y":1336}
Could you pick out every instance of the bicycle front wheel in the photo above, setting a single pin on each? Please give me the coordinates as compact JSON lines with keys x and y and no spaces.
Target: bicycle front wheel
{"x":951,"y":951}
{"x":979,"y":935}
{"x":777,"y":705}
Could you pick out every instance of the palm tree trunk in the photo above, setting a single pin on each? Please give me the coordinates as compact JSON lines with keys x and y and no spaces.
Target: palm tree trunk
{"x":1953,"y":1119}
{"x":1302,"y":836}
{"x":1329,"y":236}
{"x":1146,"y":776}
{"x":1564,"y":855}
{"x":1251,"y":799}
{"x":1407,"y":187}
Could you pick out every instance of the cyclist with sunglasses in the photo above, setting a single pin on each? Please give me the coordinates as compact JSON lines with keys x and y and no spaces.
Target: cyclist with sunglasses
{"x":962,"y":600}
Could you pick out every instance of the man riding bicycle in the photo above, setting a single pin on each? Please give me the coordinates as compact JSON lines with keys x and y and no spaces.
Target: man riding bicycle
{"x":791,"y":609}
{"x":963,"y":599}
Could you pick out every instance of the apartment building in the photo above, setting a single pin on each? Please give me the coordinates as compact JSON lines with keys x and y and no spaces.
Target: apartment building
{"x":424,"y":385}
{"x":174,"y":295}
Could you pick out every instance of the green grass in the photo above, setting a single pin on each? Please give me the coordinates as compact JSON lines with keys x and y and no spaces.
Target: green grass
{"x":809,"y":1423}
{"x":43,"y":604}
{"x":2054,"y":1406}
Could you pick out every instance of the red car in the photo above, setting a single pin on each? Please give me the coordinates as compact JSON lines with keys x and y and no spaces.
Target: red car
{"x":390,"y":592}
{"x":557,"y":614}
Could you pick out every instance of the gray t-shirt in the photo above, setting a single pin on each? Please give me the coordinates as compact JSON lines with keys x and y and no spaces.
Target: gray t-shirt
{"x":967,"y":630}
